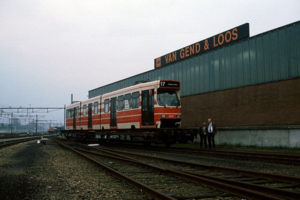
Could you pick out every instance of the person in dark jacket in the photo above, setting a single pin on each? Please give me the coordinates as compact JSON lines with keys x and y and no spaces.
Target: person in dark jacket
{"x":211,"y":131}
{"x":202,"y":134}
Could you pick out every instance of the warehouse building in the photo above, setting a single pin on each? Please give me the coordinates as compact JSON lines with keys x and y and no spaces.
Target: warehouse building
{"x":249,"y":86}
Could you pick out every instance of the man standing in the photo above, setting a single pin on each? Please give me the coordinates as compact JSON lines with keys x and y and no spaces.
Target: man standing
{"x":202,"y":134}
{"x":211,"y":131}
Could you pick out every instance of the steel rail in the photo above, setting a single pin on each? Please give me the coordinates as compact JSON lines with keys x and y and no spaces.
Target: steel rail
{"x":154,"y":193}
{"x":10,"y":137}
{"x":233,"y":152}
{"x":282,"y":158}
{"x":214,"y":167}
{"x":258,"y":188}
{"x":239,"y":191}
{"x":7,"y":139}
{"x":245,"y":153}
{"x":8,"y":143}
{"x":220,"y":184}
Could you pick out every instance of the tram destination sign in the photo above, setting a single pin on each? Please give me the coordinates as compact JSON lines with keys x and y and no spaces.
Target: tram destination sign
{"x":169,"y":84}
{"x":230,"y":36}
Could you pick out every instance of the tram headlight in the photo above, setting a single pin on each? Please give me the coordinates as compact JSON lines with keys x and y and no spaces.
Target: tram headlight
{"x":163,"y":116}
{"x":178,"y":116}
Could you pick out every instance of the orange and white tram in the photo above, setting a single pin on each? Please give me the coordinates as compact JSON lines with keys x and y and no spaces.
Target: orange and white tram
{"x":148,"y":112}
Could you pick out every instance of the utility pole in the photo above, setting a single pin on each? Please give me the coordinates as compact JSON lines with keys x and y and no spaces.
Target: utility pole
{"x":65,"y":117}
{"x":36,"y":124}
{"x":11,"y":123}
{"x":28,"y":125}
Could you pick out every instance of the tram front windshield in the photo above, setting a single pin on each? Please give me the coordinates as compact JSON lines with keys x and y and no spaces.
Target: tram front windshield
{"x":167,"y":98}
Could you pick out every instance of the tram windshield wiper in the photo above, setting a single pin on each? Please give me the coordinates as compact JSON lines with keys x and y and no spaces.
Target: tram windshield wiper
{"x":162,"y":102}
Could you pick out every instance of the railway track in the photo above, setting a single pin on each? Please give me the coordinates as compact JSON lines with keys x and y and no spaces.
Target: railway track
{"x":234,"y":182}
{"x":134,"y":183}
{"x":10,"y":142}
{"x":281,"y":158}
{"x":267,"y":157}
{"x":7,"y":136}
{"x":11,"y":136}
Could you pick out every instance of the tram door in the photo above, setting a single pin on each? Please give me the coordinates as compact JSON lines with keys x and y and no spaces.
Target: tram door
{"x":147,"y":107}
{"x":74,"y":117}
{"x":90,"y":116}
{"x":113,"y":112}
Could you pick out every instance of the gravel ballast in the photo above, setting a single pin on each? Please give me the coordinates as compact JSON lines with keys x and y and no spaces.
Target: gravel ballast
{"x":13,"y":163}
{"x":35,"y":171}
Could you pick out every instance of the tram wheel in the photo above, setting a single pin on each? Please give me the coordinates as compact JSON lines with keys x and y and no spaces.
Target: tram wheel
{"x":167,"y":144}
{"x":147,"y":144}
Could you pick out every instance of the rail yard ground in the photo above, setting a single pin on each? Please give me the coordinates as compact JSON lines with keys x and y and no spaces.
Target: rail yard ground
{"x":33,"y":171}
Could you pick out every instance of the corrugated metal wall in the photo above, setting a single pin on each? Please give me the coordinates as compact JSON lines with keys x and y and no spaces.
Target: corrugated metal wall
{"x":271,"y":56}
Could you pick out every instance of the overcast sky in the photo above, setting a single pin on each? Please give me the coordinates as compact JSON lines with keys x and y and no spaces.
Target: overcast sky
{"x":50,"y":49}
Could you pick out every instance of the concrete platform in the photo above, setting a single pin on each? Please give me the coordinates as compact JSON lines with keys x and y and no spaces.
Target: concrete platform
{"x":283,"y":136}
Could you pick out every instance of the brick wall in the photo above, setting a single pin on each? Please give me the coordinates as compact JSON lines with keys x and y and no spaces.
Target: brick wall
{"x":276,"y":103}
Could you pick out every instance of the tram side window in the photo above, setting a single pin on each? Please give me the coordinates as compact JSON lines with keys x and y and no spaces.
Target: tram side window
{"x":71,"y":113}
{"x":120,"y":102}
{"x":96,"y":107}
{"x":77,"y":111}
{"x":106,"y":105}
{"x":135,"y":99}
{"x":127,"y":101}
{"x":84,"y":110}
